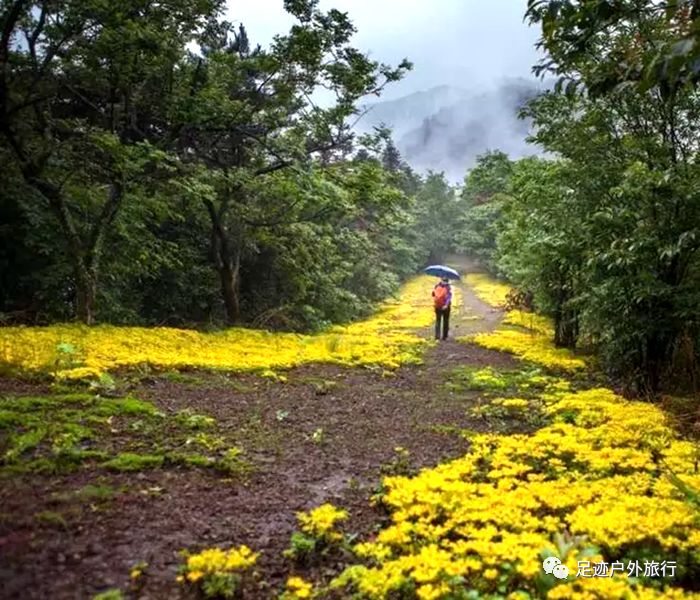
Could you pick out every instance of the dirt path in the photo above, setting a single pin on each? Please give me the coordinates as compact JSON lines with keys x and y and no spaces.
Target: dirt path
{"x":362,"y":415}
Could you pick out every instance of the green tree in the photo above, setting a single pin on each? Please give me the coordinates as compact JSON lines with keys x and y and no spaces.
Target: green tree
{"x":641,"y":43}
{"x":483,"y":195}
{"x":636,"y":213}
{"x":540,"y":243}
{"x":248,"y":115}
{"x":437,"y":212}
{"x":629,"y":140}
{"x":83,"y":88}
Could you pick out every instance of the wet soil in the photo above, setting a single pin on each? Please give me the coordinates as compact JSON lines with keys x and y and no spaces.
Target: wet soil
{"x":362,"y":415}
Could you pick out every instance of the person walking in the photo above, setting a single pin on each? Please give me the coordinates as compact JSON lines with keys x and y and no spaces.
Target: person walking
{"x":442,"y":299}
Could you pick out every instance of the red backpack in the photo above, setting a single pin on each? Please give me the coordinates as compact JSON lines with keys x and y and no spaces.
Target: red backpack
{"x":440,"y":294}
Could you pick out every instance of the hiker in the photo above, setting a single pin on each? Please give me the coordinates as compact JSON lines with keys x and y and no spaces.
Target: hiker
{"x":442,"y":299}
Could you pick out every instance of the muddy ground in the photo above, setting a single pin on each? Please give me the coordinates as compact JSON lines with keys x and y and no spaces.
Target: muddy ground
{"x":363,"y":416}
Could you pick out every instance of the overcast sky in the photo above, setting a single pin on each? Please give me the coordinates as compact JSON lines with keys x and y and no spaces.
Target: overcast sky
{"x":465,"y":43}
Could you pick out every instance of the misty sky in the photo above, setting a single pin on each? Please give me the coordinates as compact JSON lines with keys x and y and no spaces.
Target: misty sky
{"x":464,"y":43}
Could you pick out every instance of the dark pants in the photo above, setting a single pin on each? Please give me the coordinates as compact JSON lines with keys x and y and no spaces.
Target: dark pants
{"x":442,"y":315}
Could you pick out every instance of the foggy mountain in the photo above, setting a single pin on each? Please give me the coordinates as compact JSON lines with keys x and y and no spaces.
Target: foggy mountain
{"x":445,"y":128}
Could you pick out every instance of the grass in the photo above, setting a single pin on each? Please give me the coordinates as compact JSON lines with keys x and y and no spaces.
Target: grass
{"x":191,"y":420}
{"x":60,"y":433}
{"x":130,"y":461}
{"x":89,"y":493}
{"x":52,"y":519}
{"x":110,"y":594}
{"x":529,"y":381}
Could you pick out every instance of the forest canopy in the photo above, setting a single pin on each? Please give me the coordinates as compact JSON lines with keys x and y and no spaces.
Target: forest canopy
{"x":605,"y":234}
{"x":149,"y":183}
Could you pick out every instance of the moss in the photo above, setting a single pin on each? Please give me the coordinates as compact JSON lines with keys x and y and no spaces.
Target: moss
{"x":76,"y":430}
{"x":88,"y":493}
{"x":129,"y":461}
{"x":191,"y":420}
{"x":70,"y":459}
{"x":26,"y":403}
{"x":75,"y":398}
{"x":60,"y":433}
{"x":446,"y":429}
{"x":233,"y":463}
{"x":110,"y":594}
{"x":65,"y":462}
{"x":23,"y":442}
{"x":128,"y":406}
{"x":96,"y":492}
{"x":10,"y":419}
{"x":184,"y":378}
{"x":51,"y":518}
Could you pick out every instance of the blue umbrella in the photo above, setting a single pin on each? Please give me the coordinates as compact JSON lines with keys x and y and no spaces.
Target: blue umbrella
{"x":441,"y":271}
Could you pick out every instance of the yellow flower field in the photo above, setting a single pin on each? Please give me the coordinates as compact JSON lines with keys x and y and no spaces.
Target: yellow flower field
{"x":600,"y":471}
{"x":388,"y":338}
{"x":532,"y":340}
{"x":488,"y":289}
{"x":604,"y":479}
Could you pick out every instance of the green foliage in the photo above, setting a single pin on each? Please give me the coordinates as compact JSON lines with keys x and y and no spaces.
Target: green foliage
{"x":629,"y":148}
{"x":216,"y":193}
{"x":302,"y":548}
{"x":191,"y":420}
{"x":52,"y":519}
{"x":89,"y":493}
{"x":400,"y":464}
{"x":130,"y":461}
{"x":630,"y":44}
{"x":605,"y":238}
{"x":232,"y":462}
{"x":527,"y":382}
{"x":437,"y":207}
{"x":111,"y":594}
{"x":540,"y":244}
{"x":63,"y":432}
{"x":483,"y":197}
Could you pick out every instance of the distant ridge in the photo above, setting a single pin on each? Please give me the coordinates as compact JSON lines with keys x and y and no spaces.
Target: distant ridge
{"x":445,"y":128}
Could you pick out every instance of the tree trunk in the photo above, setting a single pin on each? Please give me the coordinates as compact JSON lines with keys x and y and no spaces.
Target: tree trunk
{"x":86,"y":290}
{"x":566,"y":329}
{"x":565,"y":319}
{"x":229,"y":274}
{"x":228,"y":263}
{"x":85,"y":255}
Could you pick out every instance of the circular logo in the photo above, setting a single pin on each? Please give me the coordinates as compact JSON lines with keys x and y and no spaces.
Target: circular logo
{"x":552,"y":565}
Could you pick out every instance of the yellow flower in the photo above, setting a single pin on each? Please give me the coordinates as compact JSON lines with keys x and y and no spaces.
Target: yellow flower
{"x":216,"y":560}
{"x":389,"y":338}
{"x":590,"y":471}
{"x":515,"y":403}
{"x":490,"y":291}
{"x":297,"y":588}
{"x":531,"y":346}
{"x":320,"y":522}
